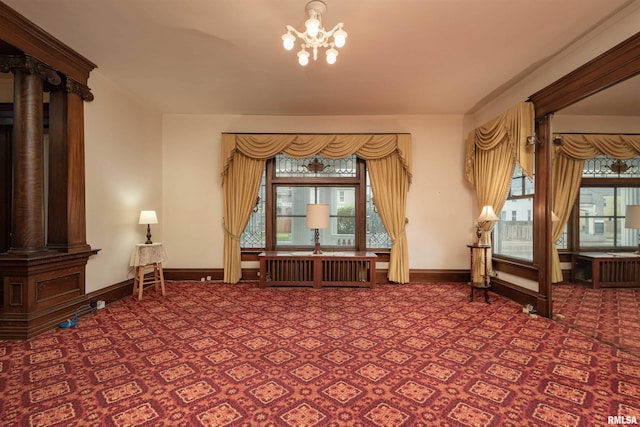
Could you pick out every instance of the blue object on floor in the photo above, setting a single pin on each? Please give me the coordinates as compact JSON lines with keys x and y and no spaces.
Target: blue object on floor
{"x":72,"y":323}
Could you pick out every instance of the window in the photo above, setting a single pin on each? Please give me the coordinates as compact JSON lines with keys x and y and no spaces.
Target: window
{"x":288,"y":185}
{"x":513,"y":234}
{"x":608,"y":186}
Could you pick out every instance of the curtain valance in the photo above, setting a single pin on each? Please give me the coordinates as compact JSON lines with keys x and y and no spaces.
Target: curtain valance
{"x":582,"y":146}
{"x":332,"y":146}
{"x":511,"y":127}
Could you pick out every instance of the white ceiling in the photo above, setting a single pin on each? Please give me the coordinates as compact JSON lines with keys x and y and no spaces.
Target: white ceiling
{"x":401,"y":56}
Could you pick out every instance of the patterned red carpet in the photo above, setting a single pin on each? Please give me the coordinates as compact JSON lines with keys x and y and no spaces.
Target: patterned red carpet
{"x":611,"y":315}
{"x":211,"y":354}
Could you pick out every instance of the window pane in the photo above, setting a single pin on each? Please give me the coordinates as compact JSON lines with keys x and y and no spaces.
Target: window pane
{"x":597,"y":217}
{"x":315,"y":166}
{"x":516,"y":187}
{"x":254,"y":234}
{"x":513,"y":234}
{"x":291,"y":224}
{"x":606,"y":167}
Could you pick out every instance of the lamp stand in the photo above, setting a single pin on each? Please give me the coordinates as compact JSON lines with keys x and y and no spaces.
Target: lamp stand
{"x":316,"y":249}
{"x":148,"y":242}
{"x":479,"y":232}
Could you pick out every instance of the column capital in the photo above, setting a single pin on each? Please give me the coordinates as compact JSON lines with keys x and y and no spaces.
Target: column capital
{"x":30,"y":65}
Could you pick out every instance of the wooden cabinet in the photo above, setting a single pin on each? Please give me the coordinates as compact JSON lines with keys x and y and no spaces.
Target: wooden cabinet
{"x":600,"y":269}
{"x":278,"y":268}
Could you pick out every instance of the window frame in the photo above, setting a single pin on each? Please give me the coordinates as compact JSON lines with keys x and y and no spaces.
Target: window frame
{"x":359,"y":182}
{"x":574,"y":221}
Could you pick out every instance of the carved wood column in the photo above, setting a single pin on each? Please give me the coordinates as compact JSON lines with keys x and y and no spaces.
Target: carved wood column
{"x":28,"y":165}
{"x":28,"y":230}
{"x":67,"y":213}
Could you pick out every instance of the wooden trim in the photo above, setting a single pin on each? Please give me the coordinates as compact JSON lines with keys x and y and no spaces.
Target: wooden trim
{"x":515,"y":293}
{"x":195,"y":274}
{"x":612,"y":67}
{"x":439,"y":275}
{"x":23,"y":34}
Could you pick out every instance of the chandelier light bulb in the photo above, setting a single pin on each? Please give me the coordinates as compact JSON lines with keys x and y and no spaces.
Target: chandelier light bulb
{"x":288,"y":40}
{"x":332,"y":55}
{"x":303,"y":57}
{"x":313,"y":26}
{"x":340,"y":37}
{"x":315,"y":36}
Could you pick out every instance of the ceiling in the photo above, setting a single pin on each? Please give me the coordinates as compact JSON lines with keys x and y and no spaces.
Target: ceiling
{"x":401,"y":56}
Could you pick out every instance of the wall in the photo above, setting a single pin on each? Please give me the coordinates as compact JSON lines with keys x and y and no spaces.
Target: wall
{"x":123,"y":176}
{"x":440,"y":205}
{"x":617,"y":29}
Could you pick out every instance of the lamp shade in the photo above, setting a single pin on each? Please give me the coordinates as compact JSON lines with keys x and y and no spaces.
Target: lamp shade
{"x":632,"y":219}
{"x":148,"y":217}
{"x":318,"y":215}
{"x":487,"y":214}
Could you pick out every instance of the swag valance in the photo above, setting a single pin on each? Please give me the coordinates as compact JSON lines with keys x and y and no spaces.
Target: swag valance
{"x":584,"y":146}
{"x":388,"y":158}
{"x":332,"y":146}
{"x":511,"y":128}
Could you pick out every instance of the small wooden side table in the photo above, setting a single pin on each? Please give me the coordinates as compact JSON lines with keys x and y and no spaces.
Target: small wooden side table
{"x":485,"y":284}
{"x":148,"y":256}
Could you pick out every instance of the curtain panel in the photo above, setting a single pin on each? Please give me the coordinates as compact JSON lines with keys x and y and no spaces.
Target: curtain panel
{"x":567,"y":173}
{"x":492,"y":152}
{"x":254,"y":148}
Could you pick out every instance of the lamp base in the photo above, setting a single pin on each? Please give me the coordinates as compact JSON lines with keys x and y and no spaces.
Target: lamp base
{"x":316,"y":248}
{"x":148,"y":242}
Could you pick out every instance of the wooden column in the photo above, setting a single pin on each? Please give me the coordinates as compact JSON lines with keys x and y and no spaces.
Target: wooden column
{"x":542,"y":216}
{"x":28,"y":164}
{"x":67,"y":217}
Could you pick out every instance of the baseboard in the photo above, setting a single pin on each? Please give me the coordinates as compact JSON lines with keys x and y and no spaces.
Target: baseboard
{"x":197,"y":274}
{"x":439,"y":275}
{"x":112,"y":293}
{"x":515,"y":293}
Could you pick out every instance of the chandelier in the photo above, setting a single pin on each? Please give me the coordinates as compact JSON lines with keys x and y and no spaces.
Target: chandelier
{"x":315,"y":36}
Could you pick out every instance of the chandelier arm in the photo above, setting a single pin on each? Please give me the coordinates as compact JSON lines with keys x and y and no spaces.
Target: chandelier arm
{"x":334,"y":29}
{"x":290,"y":29}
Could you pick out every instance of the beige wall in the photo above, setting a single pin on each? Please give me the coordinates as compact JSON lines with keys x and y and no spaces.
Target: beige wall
{"x":615,"y":30}
{"x":123,"y":176}
{"x":439,"y":206}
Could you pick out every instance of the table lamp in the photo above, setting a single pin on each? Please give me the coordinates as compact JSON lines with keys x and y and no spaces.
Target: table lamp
{"x":317,"y":218}
{"x":148,"y":217}
{"x":632,"y":219}
{"x":486,"y":215}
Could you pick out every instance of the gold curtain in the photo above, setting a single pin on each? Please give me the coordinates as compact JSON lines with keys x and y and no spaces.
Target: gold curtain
{"x":239,"y":188}
{"x":492,"y":151}
{"x":565,"y":184}
{"x":567,"y":174}
{"x":259,"y":147}
{"x":390,"y":186}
